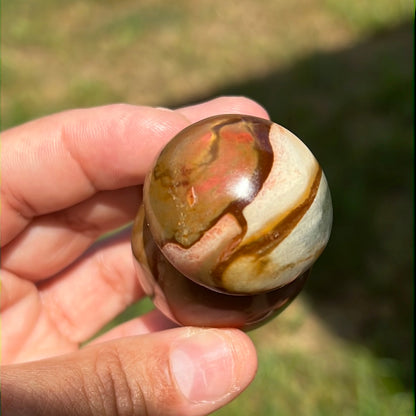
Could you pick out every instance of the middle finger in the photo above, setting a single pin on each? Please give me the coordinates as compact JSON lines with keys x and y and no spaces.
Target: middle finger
{"x":54,"y":241}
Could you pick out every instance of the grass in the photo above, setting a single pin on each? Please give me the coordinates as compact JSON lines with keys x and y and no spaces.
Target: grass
{"x":305,"y":370}
{"x":337,"y":73}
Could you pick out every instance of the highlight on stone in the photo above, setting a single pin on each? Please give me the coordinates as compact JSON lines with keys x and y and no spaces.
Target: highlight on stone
{"x":236,"y":210}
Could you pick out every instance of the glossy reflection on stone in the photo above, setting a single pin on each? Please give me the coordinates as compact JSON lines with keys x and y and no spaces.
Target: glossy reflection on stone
{"x":236,"y":211}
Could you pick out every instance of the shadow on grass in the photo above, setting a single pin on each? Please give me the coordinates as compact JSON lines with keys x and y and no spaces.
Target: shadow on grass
{"x":354,"y":109}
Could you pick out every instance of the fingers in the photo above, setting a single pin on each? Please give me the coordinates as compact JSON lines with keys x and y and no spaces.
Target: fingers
{"x":58,"y":161}
{"x":183,"y":371}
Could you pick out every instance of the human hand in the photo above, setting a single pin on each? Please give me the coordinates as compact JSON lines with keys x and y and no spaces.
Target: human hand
{"x":67,"y":179}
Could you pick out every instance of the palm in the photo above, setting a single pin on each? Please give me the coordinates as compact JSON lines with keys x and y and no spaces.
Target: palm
{"x":53,"y":317}
{"x":28,"y":331}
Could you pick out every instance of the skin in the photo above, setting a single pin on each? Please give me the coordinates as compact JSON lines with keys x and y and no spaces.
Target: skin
{"x":67,"y":179}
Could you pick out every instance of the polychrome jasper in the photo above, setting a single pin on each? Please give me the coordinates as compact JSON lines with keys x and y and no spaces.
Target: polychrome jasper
{"x":236,"y":210}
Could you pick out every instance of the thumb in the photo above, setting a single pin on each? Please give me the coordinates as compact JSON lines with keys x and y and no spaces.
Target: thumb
{"x":182,"y":371}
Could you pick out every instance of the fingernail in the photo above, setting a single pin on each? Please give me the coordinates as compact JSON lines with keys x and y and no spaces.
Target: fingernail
{"x":203,"y":366}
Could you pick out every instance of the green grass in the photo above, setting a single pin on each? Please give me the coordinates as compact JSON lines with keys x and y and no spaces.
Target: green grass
{"x":295,"y":384}
{"x":337,"y":73}
{"x":306,"y":371}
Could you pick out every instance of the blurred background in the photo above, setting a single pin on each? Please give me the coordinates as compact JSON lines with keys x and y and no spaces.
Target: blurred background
{"x":339,"y":74}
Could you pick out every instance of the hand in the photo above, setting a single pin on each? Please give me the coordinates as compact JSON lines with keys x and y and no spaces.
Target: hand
{"x":67,"y":179}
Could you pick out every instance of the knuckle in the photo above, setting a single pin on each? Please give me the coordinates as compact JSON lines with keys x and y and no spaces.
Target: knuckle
{"x":112,"y":393}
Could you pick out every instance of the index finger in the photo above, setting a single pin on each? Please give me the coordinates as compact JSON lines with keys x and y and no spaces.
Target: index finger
{"x":57,"y":161}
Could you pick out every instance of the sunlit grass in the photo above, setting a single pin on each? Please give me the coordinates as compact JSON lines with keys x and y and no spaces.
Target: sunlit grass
{"x":60,"y":55}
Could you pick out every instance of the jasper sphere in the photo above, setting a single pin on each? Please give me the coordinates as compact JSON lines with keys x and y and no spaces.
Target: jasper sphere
{"x":234,"y":207}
